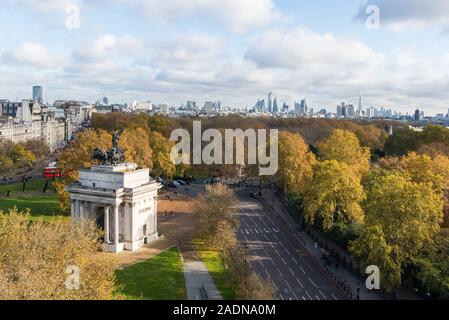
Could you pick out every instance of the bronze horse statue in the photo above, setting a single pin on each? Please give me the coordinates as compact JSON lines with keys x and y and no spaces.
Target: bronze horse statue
{"x":113,"y":156}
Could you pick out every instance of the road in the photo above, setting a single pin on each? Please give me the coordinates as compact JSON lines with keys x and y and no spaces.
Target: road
{"x":275,"y":255}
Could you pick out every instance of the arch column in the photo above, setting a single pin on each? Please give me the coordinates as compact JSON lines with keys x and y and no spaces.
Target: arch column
{"x":106,"y":225}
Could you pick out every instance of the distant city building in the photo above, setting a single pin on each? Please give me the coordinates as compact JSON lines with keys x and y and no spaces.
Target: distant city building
{"x":38,"y":94}
{"x":275,"y":106}
{"x":270,"y":103}
{"x":164,"y":108}
{"x":143,"y":106}
{"x":350,"y":111}
{"x":360,"y":106}
{"x":105,"y":101}
{"x":28,"y":120}
{"x":417,"y":115}
{"x":191,"y":105}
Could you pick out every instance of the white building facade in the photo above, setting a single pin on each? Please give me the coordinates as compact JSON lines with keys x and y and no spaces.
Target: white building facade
{"x":123,"y":202}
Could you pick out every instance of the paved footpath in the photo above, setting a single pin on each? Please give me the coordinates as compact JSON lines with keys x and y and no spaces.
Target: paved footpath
{"x":199,"y":283}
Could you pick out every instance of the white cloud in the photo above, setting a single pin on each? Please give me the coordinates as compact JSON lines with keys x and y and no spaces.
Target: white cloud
{"x":31,"y":54}
{"x":44,"y":6}
{"x":312,"y":54}
{"x":239,"y":15}
{"x":402,"y":15}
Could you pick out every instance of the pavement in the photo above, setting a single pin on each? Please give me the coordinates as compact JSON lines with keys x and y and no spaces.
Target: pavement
{"x":199,"y":284}
{"x":275,"y":255}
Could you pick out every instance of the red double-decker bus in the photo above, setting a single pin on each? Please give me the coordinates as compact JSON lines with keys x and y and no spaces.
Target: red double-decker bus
{"x":52,"y":171}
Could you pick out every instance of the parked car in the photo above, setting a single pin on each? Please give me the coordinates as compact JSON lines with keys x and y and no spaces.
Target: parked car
{"x":182,"y":183}
{"x":256,"y":195}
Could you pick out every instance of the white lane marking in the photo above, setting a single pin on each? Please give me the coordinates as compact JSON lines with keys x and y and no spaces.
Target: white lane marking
{"x":280,"y":294}
{"x":302,"y":270}
{"x":280,"y":273}
{"x":334,"y":297}
{"x":285,"y":262}
{"x":322,"y":294}
{"x":300,"y":283}
{"x":277,"y":252}
{"x":291,"y":289}
{"x":274,"y":285}
{"x":310,"y":297}
{"x":291,"y":271}
{"x":295,"y":260}
{"x":303,"y":298}
{"x":317,"y":297}
{"x":312,"y":282}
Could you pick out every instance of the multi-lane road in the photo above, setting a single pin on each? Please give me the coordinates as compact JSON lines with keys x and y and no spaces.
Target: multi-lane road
{"x":276,"y":256}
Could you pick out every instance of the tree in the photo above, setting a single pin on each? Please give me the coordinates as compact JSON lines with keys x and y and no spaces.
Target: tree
{"x":422,"y":168}
{"x":21,"y":157}
{"x":162,"y":163}
{"x":35,"y":259}
{"x":371,"y":248}
{"x":135,"y":143}
{"x":247,"y":284}
{"x":217,"y":221}
{"x":334,"y":195}
{"x":6,"y":165}
{"x":402,"y":141}
{"x":344,"y":146}
{"x":77,"y":156}
{"x":408,"y":213}
{"x":296,"y":163}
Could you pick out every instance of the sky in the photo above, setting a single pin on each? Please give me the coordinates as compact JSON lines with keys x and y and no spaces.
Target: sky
{"x":394,"y":51}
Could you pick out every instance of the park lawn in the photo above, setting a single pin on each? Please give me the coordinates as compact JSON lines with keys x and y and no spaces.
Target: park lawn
{"x":31,"y":186}
{"x":41,"y":207}
{"x":216,"y":268}
{"x":158,"y":278}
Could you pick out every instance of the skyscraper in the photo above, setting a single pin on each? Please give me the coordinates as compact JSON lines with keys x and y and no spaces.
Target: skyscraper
{"x":417,"y":115}
{"x":38,"y":94}
{"x":275,"y":106}
{"x":303,"y":109}
{"x":360,"y":107}
{"x":270,"y":103}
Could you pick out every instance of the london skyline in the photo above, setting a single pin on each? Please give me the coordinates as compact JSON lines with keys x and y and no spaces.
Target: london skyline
{"x":232,"y":51}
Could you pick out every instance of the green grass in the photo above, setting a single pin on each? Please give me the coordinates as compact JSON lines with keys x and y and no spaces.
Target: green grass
{"x":31,"y":186}
{"x":42,"y":207}
{"x":216,"y":268}
{"x":158,"y":278}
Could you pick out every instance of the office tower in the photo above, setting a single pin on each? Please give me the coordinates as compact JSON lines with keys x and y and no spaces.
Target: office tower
{"x":417,"y":115}
{"x":342,"y":110}
{"x":350,"y":111}
{"x":38,"y":94}
{"x":275,"y":106}
{"x":303,"y":108}
{"x":360,"y":107}
{"x":297,"y":107}
{"x":270,"y":103}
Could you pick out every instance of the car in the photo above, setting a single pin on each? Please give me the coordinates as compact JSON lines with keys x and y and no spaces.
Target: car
{"x":176,"y":184}
{"x":182,"y":183}
{"x":256,"y":195}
